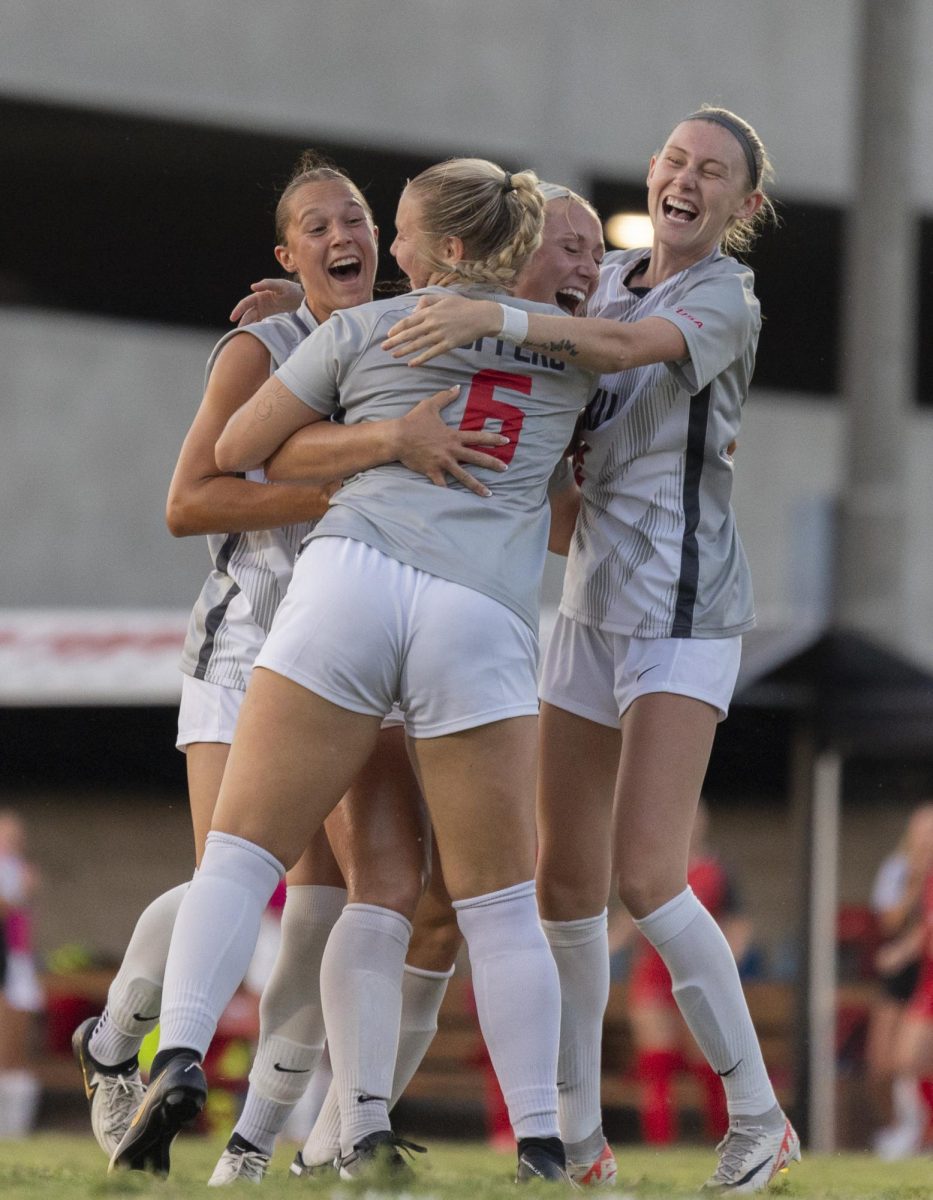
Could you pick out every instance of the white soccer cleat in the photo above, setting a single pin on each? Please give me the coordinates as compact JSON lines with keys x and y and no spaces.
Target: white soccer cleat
{"x":239,"y":1165}
{"x":599,"y":1173}
{"x":751,"y":1156}
{"x":112,"y":1097}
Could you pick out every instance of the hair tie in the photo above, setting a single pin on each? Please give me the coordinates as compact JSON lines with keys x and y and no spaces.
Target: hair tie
{"x":751,"y":159}
{"x":507,"y":184}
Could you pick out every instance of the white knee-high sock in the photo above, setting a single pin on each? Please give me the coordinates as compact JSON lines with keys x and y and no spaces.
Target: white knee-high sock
{"x":518,"y":1002}
{"x":422,"y":994}
{"x":361,"y":988}
{"x":323,"y":1143}
{"x":135,"y":996}
{"x":581,"y":951}
{"x":709,"y":994}
{"x":291,"y":1023}
{"x":214,"y":938}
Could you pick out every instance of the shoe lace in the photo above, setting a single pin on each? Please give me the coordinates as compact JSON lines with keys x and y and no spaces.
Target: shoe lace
{"x":733,"y":1150}
{"x":410,"y":1148}
{"x":371,"y":1148}
{"x":250,"y":1164}
{"x":123,"y":1098}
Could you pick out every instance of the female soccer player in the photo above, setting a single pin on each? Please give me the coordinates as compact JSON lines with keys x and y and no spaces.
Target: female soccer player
{"x":563,"y":271}
{"x":412,"y":592}
{"x":657,"y":594}
{"x":326,"y":236}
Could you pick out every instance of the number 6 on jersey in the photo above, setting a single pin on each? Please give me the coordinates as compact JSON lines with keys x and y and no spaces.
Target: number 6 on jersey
{"x":481,"y":406}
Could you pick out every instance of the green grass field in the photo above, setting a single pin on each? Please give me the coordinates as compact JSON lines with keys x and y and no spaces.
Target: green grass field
{"x":59,"y":1167}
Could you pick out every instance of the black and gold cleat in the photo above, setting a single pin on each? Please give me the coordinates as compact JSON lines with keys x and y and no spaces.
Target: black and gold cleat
{"x":175,"y":1097}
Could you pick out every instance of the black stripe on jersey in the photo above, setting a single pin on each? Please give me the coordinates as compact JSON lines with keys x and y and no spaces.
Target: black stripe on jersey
{"x":689,"y":551}
{"x":218,"y":612}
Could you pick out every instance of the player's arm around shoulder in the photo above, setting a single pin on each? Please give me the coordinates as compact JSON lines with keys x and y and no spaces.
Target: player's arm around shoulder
{"x":595,"y":344}
{"x":202,"y":497}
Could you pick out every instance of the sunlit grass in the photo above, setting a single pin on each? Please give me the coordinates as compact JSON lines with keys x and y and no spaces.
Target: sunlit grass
{"x":59,"y":1167}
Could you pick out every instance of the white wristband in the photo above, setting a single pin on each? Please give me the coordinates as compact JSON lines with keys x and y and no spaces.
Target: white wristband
{"x":514,"y":326}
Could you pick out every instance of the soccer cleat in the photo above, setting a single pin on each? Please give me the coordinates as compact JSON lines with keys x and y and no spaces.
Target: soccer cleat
{"x":238,"y":1164}
{"x":174,"y":1098}
{"x":113,"y":1095}
{"x":542,"y":1159}
{"x":378,"y":1154}
{"x":750,"y":1156}
{"x":303,"y":1170}
{"x":599,"y":1173}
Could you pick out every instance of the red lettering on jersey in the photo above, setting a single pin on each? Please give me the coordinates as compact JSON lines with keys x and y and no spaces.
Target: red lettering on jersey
{"x":682,"y":312}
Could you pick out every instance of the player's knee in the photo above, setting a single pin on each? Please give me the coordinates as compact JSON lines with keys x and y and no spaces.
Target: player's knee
{"x":434,"y":944}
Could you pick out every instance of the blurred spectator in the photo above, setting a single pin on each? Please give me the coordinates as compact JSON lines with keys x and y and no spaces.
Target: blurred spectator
{"x":897,"y":900}
{"x":21,"y":995}
{"x":913,"y":1057}
{"x":663,"y":1045}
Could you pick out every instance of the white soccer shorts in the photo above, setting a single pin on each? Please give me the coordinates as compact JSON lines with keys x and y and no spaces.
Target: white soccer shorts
{"x":597,"y":675}
{"x":362,"y":629}
{"x":208,"y":712}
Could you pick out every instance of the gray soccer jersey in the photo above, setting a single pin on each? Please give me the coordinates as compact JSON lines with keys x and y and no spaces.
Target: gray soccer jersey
{"x":495,"y":545}
{"x":655,"y":552}
{"x":234,"y":611}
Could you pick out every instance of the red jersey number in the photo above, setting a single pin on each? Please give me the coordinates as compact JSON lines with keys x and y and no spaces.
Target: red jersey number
{"x":482,"y":406}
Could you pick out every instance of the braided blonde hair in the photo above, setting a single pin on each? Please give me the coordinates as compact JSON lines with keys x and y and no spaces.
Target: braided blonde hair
{"x":499,"y":218}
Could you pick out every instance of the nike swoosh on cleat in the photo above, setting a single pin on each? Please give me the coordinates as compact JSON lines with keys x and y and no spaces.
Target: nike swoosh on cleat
{"x":292,"y":1070}
{"x":723,"y":1074}
{"x":751,"y":1174}
{"x":140,"y":1017}
{"x":653,"y":667}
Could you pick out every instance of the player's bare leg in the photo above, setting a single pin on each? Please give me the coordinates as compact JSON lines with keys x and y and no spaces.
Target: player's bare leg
{"x":666,"y":743}
{"x":480,"y":789}
{"x":293,"y":757}
{"x":576,"y":783}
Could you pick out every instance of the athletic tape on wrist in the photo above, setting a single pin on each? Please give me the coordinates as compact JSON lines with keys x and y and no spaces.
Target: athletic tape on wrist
{"x":514,"y":324}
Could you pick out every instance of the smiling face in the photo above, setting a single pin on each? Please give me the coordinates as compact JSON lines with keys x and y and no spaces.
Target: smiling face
{"x":406,"y":245}
{"x":564,"y":270}
{"x":697,"y":186}
{"x":330,"y":243}
{"x":418,"y":257}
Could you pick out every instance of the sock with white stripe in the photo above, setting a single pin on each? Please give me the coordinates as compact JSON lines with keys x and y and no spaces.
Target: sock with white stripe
{"x":361,"y":989}
{"x":215,"y":935}
{"x":518,"y":1002}
{"x":581,"y":951}
{"x":291,"y":1023}
{"x":135,"y":995}
{"x":709,"y":994}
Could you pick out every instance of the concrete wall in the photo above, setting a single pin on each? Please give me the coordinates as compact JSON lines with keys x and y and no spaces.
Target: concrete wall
{"x":568,"y":88}
{"x":94,"y":412}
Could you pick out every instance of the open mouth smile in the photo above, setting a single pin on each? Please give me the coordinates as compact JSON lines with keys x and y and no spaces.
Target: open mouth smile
{"x":570,"y":299}
{"x":681,"y":212}
{"x":345,"y":269}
